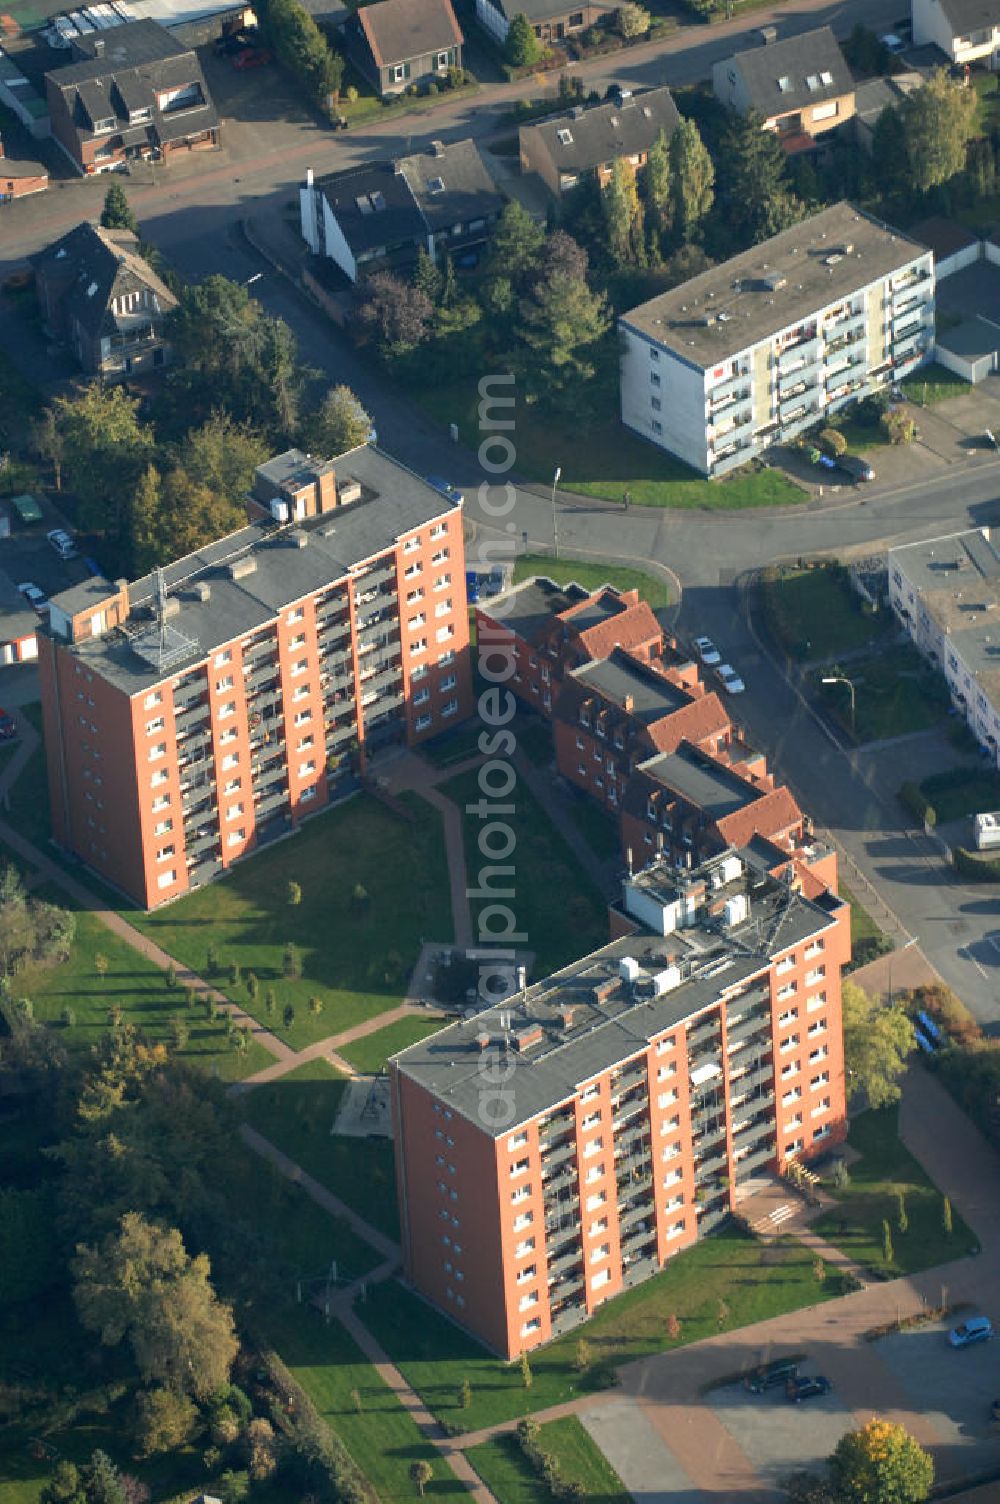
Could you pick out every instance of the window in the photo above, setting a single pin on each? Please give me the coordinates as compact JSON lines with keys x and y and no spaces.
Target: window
{"x":820,"y":1053}
{"x":442,"y":582}
{"x":223,"y":658}
{"x":225,"y":711}
{"x":294,"y":616}
{"x":422,"y":722}
{"x":521,"y":1194}
{"x":156,"y":698}
{"x":657,"y":426}
{"x":448,"y":682}
{"x":438,"y":530}
{"x":302,"y":718}
{"x":151,"y":726}
{"x":231,"y":760}
{"x":160,"y":777}
{"x":414,"y":596}
{"x":162,"y":802}
{"x":791,"y":1096}
{"x":528,"y":1272}
{"x":421,"y":697}
{"x":828,"y":111}
{"x":442,"y":608}
{"x":517,"y":1142}
{"x":654,"y":378}
{"x":228,"y":736}
{"x":235,"y":837}
{"x":602,"y":1251}
{"x":160,"y":750}
{"x":301,"y":667}
{"x":523,"y":1221}
{"x":410,"y":545}
{"x":420,"y":620}
{"x":234,"y":812}
{"x":524,"y":1248}
{"x":598,"y":1199}
{"x":533,"y":1325}
{"x":163,"y":828}
{"x":166,"y":878}
{"x":441,"y":557}
{"x":443,"y":633}
{"x":412,"y":570}
{"x":302,"y":693}
{"x":399,"y":73}
{"x":527,"y":1301}
{"x":519,"y":1167}
{"x":221,"y":685}
{"x":823,"y":1079}
{"x":675,"y":1231}
{"x":594,"y":1147}
{"x":165,"y":852}
{"x":656,"y":404}
{"x":420,"y":646}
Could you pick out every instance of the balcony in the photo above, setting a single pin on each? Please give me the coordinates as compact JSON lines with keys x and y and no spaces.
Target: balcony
{"x":846,"y":325}
{"x":632,"y":1138}
{"x":195,"y":792}
{"x":558,"y":1153}
{"x":367,"y":586}
{"x":800,"y":379}
{"x":705,"y":1030}
{"x":727,"y":391}
{"x":634,"y":1076}
{"x":270,"y":804}
{"x":758,"y":1077}
{"x":799,"y":354}
{"x":628,"y":1107}
{"x":856,"y":335}
{"x":640,"y":1211}
{"x":555,"y":1127}
{"x":756,"y":1023}
{"x":204,"y":872}
{"x":633,"y":1178}
{"x":710,"y":1166}
{"x":913,"y":279}
{"x":337,"y":676}
{"x":205,"y":840}
{"x":763,"y":1152}
{"x":336,"y":736}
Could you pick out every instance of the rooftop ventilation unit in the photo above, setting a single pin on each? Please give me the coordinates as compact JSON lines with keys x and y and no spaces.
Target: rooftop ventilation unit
{"x":629,"y":968}
{"x":279,"y":509}
{"x":774,"y":281}
{"x":240,"y":569}
{"x":437,"y":148}
{"x":297,"y":539}
{"x":203,"y":590}
{"x":349,"y":491}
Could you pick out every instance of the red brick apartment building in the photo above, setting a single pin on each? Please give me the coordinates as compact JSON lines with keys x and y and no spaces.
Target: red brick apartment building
{"x":193,"y":715}
{"x":560,"y":1148}
{"x":619,"y":711}
{"x":553,"y":628}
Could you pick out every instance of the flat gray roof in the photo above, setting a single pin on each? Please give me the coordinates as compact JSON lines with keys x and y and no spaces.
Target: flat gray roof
{"x":741,"y":297}
{"x":952,"y":562}
{"x":394,"y":501}
{"x":979,"y":648}
{"x":973,"y":339}
{"x":617,"y":677}
{"x":560,"y":1054}
{"x":702,"y":781}
{"x":529,"y":606}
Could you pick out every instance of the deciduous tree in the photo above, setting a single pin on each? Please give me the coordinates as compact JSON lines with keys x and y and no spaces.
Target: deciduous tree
{"x":105,"y":449}
{"x":877,"y":1040}
{"x":140,"y":1285}
{"x":692,"y":179}
{"x":164,"y":1421}
{"x":339,"y":423}
{"x":393,"y":315}
{"x":880,"y":1464}
{"x":938,"y":120}
{"x":633,"y":20}
{"x":623,"y":216}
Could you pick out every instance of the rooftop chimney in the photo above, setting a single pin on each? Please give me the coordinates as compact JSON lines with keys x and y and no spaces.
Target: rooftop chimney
{"x":98,"y":46}
{"x":768,"y":34}
{"x":629,"y":704}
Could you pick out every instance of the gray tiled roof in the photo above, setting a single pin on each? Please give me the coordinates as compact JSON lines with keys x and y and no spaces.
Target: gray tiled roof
{"x":788,"y":75}
{"x":95,"y":266}
{"x":467,"y":191}
{"x":971,"y":15}
{"x":394,"y":501}
{"x":581,"y":139}
{"x":400,"y":29}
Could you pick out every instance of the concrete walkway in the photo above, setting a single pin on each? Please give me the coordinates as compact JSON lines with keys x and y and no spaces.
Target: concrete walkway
{"x":326,"y":1049}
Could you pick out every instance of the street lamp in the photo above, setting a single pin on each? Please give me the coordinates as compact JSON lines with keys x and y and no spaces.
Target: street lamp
{"x":555,"y":514}
{"x":840,"y":679}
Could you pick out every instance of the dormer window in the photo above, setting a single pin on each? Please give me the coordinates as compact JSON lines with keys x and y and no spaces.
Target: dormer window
{"x":102,"y":127}
{"x":826,"y":79}
{"x":565,"y":137}
{"x":139,"y":117}
{"x":784,"y":84}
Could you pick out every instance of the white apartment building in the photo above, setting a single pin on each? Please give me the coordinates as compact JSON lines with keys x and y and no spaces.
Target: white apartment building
{"x":760,"y":348}
{"x":946,"y":593}
{"x":967,"y":31}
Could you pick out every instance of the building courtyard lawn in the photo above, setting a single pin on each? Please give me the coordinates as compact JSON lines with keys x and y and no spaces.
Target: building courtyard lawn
{"x":507,"y":1474}
{"x":373,"y":885}
{"x":296,"y":1113}
{"x":753,"y":1280}
{"x":368,"y":1055}
{"x":962,"y":791}
{"x":592,"y":574}
{"x":885,"y":1169}
{"x":895,"y":693}
{"x":814,"y":613}
{"x":132,"y":984}
{"x":557,"y":908}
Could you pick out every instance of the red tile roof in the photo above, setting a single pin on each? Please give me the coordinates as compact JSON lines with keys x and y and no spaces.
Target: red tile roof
{"x":701,"y":719}
{"x":635,"y":627}
{"x":768,"y":816}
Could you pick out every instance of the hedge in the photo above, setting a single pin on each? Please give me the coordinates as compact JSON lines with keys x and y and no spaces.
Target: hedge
{"x":981,"y":869}
{"x":912,"y":797}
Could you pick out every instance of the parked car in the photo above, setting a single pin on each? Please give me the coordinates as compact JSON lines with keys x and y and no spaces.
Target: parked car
{"x":976,"y":1329}
{"x":855,"y":467}
{"x":729,"y":679}
{"x":778,"y":1373}
{"x":8,"y":730}
{"x":807,"y":1388}
{"x":63,"y":544}
{"x":989,"y":439}
{"x":707,"y":651}
{"x":892,"y":43}
{"x":252,"y":57}
{"x":446,"y":488}
{"x":34,"y":597}
{"x":471,"y":586}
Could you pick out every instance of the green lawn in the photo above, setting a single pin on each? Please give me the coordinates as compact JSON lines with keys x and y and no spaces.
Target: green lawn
{"x":368,"y":1055}
{"x":934,"y":384}
{"x":506,"y":1472}
{"x":454,"y":746}
{"x":599,"y":457}
{"x":355,"y":957}
{"x":555,"y":904}
{"x":755,"y":1282}
{"x":962,"y":791}
{"x":536,"y":742}
{"x":382,"y":1437}
{"x":895,"y":692}
{"x":863,"y":926}
{"x":651,"y":587}
{"x":885,"y":1168}
{"x":814,"y":613}
{"x":136,"y":986}
{"x":297,"y":1111}
{"x":599,"y":829}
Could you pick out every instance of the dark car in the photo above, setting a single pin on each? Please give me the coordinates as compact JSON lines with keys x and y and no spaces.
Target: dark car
{"x":781,"y":1372}
{"x":854,"y":466}
{"x":8,"y":730}
{"x":807,"y":1388}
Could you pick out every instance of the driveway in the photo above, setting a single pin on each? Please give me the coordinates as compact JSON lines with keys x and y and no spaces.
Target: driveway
{"x":730,"y":1444}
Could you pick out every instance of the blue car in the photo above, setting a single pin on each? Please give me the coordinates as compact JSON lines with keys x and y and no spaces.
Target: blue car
{"x":472,"y":586}
{"x":976,"y":1329}
{"x":446,"y":489}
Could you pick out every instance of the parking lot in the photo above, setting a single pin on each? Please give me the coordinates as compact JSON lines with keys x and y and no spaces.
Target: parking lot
{"x":27,"y":557}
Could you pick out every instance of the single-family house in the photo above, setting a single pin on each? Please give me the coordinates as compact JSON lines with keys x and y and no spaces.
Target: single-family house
{"x":100,"y":297}
{"x":967,"y":31}
{"x":382,"y":213}
{"x":582,"y":142}
{"x":134,"y":93}
{"x":396,"y":43}
{"x":801,"y":87}
{"x":20,"y":175}
{"x":553,"y":20}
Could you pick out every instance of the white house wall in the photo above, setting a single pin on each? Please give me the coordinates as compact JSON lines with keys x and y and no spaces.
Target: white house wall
{"x":680,"y":391}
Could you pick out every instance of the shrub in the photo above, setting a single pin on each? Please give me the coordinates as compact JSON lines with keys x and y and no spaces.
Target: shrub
{"x":833,"y":441}
{"x":899,"y":426}
{"x":981,"y":869}
{"x":171,"y":975}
